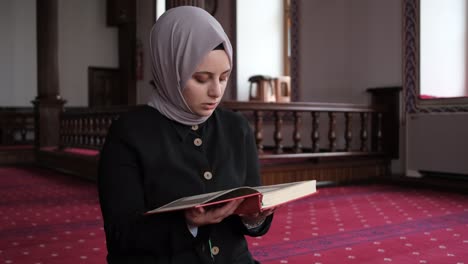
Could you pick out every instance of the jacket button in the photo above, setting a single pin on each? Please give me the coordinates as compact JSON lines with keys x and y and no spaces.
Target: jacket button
{"x":197,"y":142}
{"x":215,"y":250}
{"x":195,"y":127}
{"x":207,"y":175}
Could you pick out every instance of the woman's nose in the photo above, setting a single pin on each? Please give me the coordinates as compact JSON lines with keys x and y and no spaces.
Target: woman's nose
{"x":215,"y":89}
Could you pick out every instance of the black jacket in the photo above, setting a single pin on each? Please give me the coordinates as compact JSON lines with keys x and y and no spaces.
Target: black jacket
{"x":149,"y":160}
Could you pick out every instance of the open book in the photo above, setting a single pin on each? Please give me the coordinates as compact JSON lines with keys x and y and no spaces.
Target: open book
{"x":256,"y":199}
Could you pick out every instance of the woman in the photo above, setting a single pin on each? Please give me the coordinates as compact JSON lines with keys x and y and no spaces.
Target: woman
{"x":181,"y":144}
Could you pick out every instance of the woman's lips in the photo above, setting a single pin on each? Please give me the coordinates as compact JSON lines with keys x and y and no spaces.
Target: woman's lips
{"x":209,"y":106}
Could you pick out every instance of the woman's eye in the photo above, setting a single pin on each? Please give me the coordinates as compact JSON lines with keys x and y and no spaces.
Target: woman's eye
{"x":223,"y":78}
{"x":201,"y":79}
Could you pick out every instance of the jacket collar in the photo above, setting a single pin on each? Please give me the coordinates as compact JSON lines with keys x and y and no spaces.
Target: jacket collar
{"x":184,"y":130}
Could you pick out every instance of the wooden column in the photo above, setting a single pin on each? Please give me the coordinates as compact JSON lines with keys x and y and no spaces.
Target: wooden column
{"x":175,"y":3}
{"x":122,"y":14}
{"x":48,"y":104}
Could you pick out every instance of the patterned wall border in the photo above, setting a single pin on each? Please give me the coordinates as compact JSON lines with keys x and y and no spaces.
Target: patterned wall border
{"x":411,"y":66}
{"x":295,"y":65}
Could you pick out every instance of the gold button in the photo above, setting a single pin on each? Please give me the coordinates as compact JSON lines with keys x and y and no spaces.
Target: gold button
{"x":207,"y":175}
{"x":215,"y":250}
{"x":195,"y":127}
{"x":197,"y":142}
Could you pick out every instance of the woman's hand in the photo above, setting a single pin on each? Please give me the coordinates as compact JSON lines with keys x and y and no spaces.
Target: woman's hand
{"x":202,"y":216}
{"x":254,"y":219}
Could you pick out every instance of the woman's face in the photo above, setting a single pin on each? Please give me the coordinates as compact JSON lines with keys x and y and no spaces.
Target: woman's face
{"x":205,"y":88}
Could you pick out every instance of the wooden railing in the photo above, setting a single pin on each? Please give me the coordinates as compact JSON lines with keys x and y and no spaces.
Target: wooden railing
{"x":82,"y":127}
{"x":316,"y":129}
{"x":16,"y":126}
{"x":322,"y":117}
{"x":295,"y":141}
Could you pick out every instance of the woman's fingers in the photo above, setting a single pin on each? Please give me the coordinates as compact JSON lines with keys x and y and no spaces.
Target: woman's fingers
{"x":201,"y":216}
{"x":256,"y":216}
{"x":218,"y":214}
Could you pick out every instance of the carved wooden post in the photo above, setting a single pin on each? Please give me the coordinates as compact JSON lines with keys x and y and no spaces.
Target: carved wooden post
{"x":315,"y":135}
{"x":259,"y":130}
{"x":332,"y":131}
{"x":364,"y":121}
{"x":297,"y":132}
{"x":74,"y":136}
{"x":62,"y":134}
{"x":390,"y":120}
{"x":278,"y":137}
{"x":348,"y":131}
{"x":48,"y":104}
{"x":79,"y":131}
{"x":379,"y":145}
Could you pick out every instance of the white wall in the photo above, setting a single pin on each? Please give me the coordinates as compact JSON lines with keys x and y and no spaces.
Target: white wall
{"x":18,"y":64}
{"x":84,"y":40}
{"x":347,"y":47}
{"x":438,"y":142}
{"x":259,"y":41}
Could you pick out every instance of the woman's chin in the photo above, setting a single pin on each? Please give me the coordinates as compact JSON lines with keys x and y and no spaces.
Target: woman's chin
{"x":204,"y":112}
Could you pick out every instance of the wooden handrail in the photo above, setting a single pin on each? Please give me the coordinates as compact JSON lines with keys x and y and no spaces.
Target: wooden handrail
{"x":301,"y":107}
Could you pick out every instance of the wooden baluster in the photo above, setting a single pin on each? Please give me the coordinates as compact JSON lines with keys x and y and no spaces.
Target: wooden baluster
{"x":66,"y":131}
{"x":62,"y":136}
{"x":76,"y":131}
{"x":63,"y":131}
{"x":332,"y":131}
{"x":8,"y":131}
{"x":259,"y":130}
{"x":69,"y":131}
{"x":315,"y":135}
{"x":278,"y":137}
{"x":97,"y":140}
{"x":68,"y":135}
{"x":23,"y":129}
{"x":89,"y":131}
{"x":98,"y":132}
{"x":107,"y":124}
{"x":105,"y":127}
{"x":85,"y":131}
{"x":92,"y":133}
{"x":379,"y":133}
{"x":73,"y":131}
{"x":348,"y":131}
{"x":364,"y":133}
{"x":80,"y":131}
{"x":297,"y":132}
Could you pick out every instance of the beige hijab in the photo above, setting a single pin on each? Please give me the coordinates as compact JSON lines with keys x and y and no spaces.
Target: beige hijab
{"x":179,"y":40}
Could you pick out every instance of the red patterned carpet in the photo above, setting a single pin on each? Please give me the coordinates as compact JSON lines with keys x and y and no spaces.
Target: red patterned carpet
{"x":46,"y":217}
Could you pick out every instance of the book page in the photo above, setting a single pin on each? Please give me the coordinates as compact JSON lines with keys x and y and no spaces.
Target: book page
{"x":238,"y":193}
{"x":205,"y":199}
{"x":278,"y":194}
